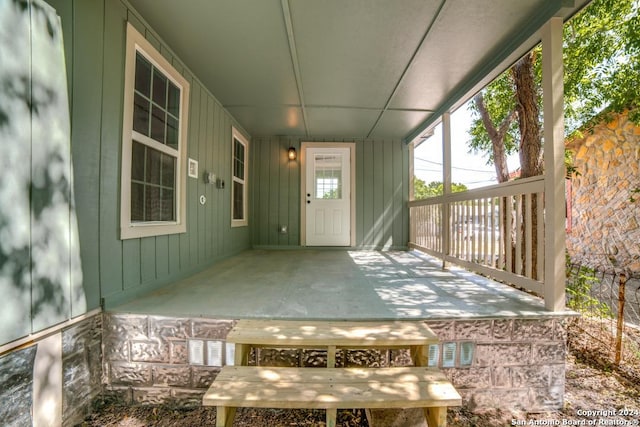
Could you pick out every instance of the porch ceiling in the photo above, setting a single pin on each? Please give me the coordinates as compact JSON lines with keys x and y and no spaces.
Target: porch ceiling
{"x":357,"y":68}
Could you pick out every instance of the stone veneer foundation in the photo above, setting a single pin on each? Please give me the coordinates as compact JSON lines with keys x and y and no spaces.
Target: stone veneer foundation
{"x":516,"y":364}
{"x":71,"y":358}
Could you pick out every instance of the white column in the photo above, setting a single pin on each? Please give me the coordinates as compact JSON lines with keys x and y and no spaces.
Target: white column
{"x":446,"y":184}
{"x":553,"y":103}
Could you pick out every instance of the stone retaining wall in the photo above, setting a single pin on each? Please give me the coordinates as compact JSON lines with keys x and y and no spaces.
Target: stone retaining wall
{"x":516,"y":363}
{"x":604,"y":224}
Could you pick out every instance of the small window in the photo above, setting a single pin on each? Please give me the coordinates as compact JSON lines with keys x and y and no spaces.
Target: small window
{"x":239,"y":196}
{"x":153,"y":186}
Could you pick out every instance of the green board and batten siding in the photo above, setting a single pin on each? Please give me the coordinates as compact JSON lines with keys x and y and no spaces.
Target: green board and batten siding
{"x":118,"y":270}
{"x":382,"y":192}
{"x":115,"y":269}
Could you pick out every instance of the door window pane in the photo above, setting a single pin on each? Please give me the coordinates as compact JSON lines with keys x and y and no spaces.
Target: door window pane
{"x":328,"y":176}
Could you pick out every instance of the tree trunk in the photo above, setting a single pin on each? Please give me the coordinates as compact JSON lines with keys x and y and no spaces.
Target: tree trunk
{"x":497,"y":136}
{"x":530,"y":149}
{"x":528,"y":110}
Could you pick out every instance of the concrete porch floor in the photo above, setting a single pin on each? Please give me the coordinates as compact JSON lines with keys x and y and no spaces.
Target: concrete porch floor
{"x":338,"y":285}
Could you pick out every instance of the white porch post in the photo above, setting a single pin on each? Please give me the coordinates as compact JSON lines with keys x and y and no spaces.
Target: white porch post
{"x":446,"y":185}
{"x":553,"y":107}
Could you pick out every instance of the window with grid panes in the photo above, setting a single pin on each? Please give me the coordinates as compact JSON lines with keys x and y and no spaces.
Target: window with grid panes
{"x":154,"y":143}
{"x":239,"y":148}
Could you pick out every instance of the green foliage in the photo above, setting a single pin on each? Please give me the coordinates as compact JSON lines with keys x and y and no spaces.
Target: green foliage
{"x":331,"y":194}
{"x":602,"y":70}
{"x":422,"y":190}
{"x":500,"y":103}
{"x":602,"y":61}
{"x":634,"y":192}
{"x":579,"y":284}
{"x":570,"y":169}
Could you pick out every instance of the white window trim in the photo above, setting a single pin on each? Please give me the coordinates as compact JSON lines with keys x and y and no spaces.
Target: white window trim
{"x":235,"y":134}
{"x":129,"y":230}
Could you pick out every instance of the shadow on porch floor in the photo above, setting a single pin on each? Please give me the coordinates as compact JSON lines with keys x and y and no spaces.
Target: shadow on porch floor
{"x":336,"y":284}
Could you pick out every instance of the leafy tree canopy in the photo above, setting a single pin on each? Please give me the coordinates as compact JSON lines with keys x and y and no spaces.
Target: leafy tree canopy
{"x":422,"y":190}
{"x":602,"y":71}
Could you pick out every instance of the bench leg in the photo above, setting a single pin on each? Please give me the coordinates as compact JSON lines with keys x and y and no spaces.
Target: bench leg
{"x":224,"y":416}
{"x":436,"y":417}
{"x":331,"y":417}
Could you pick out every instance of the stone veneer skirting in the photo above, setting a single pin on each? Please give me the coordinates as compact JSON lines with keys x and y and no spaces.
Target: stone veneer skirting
{"x":72,"y":358}
{"x":517,"y":363}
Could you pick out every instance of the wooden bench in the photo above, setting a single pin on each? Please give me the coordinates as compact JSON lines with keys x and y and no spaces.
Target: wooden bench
{"x":331,"y":389}
{"x":332,"y":335}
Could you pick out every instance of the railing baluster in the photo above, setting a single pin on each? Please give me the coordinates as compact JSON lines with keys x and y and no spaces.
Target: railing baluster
{"x":502,"y":233}
{"x":485,"y":232}
{"x":490,"y":230}
{"x":508,"y":233}
{"x":528,"y":235}
{"x":518,"y":269}
{"x":540,"y":231}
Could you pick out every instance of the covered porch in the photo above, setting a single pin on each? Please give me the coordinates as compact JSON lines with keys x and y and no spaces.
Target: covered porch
{"x":144,"y":315}
{"x":500,"y":347}
{"x":334,"y":284}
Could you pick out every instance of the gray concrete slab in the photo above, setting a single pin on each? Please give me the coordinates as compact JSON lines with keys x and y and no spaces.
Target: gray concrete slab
{"x":336,"y":284}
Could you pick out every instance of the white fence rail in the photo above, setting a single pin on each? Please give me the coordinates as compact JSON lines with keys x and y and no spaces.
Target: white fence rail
{"x":497,"y":230}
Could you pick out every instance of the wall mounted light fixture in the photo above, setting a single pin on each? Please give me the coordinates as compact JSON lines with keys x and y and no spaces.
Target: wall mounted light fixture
{"x":292,"y":153}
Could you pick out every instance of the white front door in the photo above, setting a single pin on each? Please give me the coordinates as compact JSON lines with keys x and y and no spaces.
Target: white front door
{"x":328,"y":196}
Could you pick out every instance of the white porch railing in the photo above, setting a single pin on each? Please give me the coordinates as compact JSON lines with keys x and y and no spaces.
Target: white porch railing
{"x":497,"y":231}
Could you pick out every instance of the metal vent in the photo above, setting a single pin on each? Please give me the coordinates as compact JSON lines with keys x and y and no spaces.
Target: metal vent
{"x":466,"y":353}
{"x":434,"y":354}
{"x":449,"y":355}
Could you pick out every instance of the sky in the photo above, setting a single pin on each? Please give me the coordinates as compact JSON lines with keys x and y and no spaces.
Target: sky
{"x":469,"y":169}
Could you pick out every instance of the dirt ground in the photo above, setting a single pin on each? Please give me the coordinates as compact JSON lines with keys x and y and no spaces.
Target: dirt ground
{"x":593,"y":383}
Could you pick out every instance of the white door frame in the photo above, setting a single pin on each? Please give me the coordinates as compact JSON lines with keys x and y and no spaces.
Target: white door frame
{"x":303,"y":185}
